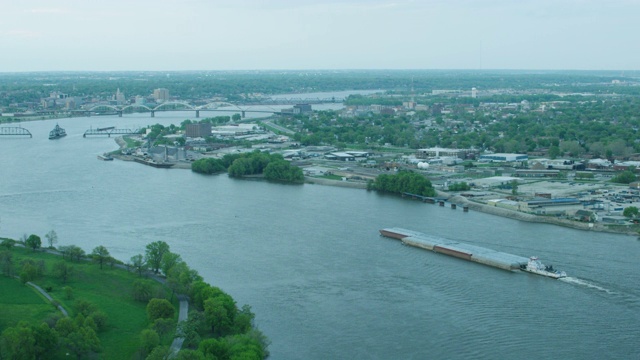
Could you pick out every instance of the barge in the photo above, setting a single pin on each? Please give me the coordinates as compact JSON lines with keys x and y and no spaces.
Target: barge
{"x":460,"y":250}
{"x":146,"y":161}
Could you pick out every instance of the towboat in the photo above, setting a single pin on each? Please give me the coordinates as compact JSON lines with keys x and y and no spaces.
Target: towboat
{"x":534,"y":266}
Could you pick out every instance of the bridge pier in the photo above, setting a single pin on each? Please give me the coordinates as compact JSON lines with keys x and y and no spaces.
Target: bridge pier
{"x":197,"y":113}
{"x":120,"y":113}
{"x":153,"y":113}
{"x":243,"y":114}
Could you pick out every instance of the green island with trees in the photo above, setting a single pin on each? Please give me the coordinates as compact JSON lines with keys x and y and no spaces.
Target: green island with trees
{"x":402,"y":182}
{"x":272,"y":166}
{"x":100,"y":307}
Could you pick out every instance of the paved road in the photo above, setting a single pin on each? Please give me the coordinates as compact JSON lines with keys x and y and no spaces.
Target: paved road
{"x":62,"y":310}
{"x":182,"y":316}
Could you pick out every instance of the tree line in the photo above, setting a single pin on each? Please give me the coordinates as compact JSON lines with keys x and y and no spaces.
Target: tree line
{"x":216,"y":327}
{"x":272,"y":166}
{"x":402,"y":182}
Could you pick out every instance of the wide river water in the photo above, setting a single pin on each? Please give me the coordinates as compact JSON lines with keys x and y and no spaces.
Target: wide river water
{"x":311,"y":263}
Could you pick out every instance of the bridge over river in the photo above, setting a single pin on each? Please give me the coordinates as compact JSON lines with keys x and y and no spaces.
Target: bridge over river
{"x":14,"y":131}
{"x":217,"y":106}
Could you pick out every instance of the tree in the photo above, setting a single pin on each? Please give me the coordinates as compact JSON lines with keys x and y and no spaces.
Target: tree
{"x":188,"y":354}
{"x":624,"y":177}
{"x":100,"y":255}
{"x":142,"y":290}
{"x":459,"y":186}
{"x":81,"y":341}
{"x":100,"y":319}
{"x":18,"y":342}
{"x":7,"y":243}
{"x":77,"y":253}
{"x":68,"y":292}
{"x":85,"y":308}
{"x":52,"y":238}
{"x":33,"y":242}
{"x":149,"y":339}
{"x":154,"y":253}
{"x":29,"y":271}
{"x":630,"y":212}
{"x":138,"y":263}
{"x":160,"y":353}
{"x":236,"y":117}
{"x":163,"y":326}
{"x":62,"y":271}
{"x":72,"y":251}
{"x":554,"y":151}
{"x":46,"y":340}
{"x":281,"y":170}
{"x":220,"y":312}
{"x":514,"y":187}
{"x":160,"y":309}
{"x":6,"y":263}
{"x":169,"y":260}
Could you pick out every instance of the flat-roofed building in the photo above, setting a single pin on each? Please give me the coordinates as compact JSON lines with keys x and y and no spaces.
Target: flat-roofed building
{"x":503,"y":157}
{"x":438,"y":152}
{"x":200,"y":130}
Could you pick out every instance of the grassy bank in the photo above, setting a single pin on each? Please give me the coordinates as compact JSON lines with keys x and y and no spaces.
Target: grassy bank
{"x":21,"y":302}
{"x":110,"y":290}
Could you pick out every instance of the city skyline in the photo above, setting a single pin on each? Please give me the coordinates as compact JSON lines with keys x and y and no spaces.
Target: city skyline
{"x":167,"y":35}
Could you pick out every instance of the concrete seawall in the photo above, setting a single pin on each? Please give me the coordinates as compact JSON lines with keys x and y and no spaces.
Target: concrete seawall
{"x":536,"y":218}
{"x":321,"y":181}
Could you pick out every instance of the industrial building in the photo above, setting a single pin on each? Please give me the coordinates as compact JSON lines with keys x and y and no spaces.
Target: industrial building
{"x":201,"y":130}
{"x":438,"y":152}
{"x":503,"y":157}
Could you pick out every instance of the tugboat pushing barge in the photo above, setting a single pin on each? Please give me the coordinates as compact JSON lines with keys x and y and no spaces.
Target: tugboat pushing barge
{"x":534,"y":266}
{"x":473,"y":253}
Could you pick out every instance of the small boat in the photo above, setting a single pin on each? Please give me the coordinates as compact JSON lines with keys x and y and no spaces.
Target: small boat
{"x":534,"y":266}
{"x":57,"y":133}
{"x":105,"y":157}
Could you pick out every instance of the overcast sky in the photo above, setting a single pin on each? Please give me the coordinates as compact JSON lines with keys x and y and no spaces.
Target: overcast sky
{"x":42,"y":35}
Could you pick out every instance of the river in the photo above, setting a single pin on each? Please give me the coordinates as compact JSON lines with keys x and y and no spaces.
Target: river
{"x":311,"y":263}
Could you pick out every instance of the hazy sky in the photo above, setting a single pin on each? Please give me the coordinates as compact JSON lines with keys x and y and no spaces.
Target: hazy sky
{"x":40,"y":35}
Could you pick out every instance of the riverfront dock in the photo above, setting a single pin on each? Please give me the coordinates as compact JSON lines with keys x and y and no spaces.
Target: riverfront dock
{"x":456,"y":249}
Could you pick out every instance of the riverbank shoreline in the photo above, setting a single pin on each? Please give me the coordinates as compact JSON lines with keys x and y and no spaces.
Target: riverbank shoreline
{"x":455,"y":199}
{"x":517,"y":215}
{"x":461,"y":201}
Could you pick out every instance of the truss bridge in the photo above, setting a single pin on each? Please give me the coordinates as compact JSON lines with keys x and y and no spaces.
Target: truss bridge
{"x":14,"y":131}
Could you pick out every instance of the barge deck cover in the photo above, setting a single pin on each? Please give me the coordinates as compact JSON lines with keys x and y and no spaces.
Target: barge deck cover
{"x":454,"y":248}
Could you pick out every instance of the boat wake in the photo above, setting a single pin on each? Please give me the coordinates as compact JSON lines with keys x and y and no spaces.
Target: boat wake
{"x":585,"y":283}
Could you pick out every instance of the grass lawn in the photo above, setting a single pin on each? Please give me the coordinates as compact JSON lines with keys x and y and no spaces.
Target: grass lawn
{"x":109,"y":289}
{"x":22,"y":302}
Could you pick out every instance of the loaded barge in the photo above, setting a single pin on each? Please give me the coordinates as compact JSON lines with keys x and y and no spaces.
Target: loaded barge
{"x":464,"y":251}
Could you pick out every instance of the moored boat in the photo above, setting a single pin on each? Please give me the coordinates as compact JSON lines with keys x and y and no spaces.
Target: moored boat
{"x":57,"y":133}
{"x":534,"y":266}
{"x":105,"y":157}
{"x":153,"y":163}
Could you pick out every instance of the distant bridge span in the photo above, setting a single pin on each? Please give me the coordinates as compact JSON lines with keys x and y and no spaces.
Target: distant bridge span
{"x":14,"y":131}
{"x":176,"y":106}
{"x":221,"y":106}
